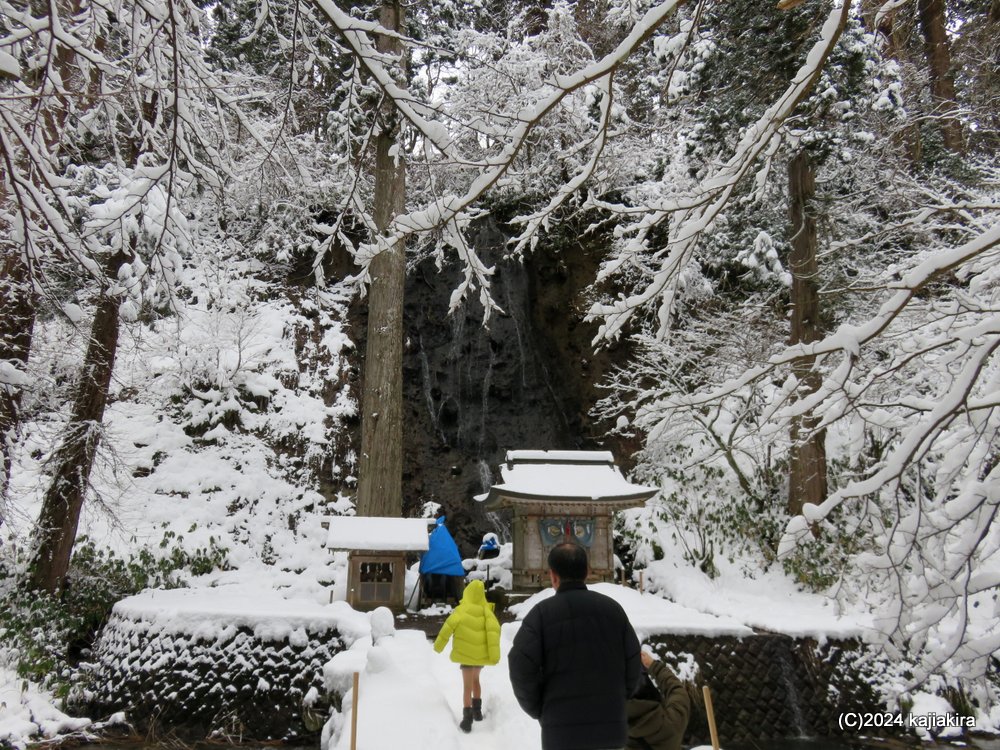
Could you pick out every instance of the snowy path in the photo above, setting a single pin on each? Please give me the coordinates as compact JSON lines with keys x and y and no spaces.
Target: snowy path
{"x":411,"y":697}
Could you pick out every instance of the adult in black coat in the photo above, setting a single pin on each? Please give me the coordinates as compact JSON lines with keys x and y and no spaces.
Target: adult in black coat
{"x":575,"y":660}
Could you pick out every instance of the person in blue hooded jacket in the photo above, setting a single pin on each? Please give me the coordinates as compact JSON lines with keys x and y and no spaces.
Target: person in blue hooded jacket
{"x":490,"y":548}
{"x":441,"y":566}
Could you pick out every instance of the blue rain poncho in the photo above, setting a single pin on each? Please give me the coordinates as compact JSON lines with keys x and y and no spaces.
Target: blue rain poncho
{"x":442,"y":556}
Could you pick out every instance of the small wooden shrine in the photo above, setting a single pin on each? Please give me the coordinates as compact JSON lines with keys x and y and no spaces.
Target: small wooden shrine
{"x":558,"y":496}
{"x":378,"y":550}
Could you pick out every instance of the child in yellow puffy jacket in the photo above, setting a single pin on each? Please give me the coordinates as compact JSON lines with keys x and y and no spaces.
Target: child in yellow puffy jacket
{"x":476,"y":644}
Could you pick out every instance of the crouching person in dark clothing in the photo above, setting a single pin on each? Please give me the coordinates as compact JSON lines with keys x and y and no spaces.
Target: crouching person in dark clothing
{"x":575,"y":660}
{"x":658,"y":712}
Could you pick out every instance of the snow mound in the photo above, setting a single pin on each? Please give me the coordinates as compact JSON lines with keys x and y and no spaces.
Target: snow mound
{"x":216,"y":613}
{"x":653,"y":615}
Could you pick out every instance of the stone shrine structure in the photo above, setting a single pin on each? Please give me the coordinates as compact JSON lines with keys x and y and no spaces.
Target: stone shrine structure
{"x":557,"y":496}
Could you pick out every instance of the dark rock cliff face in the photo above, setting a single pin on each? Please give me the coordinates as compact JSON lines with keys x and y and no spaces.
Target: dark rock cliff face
{"x":526,"y":380}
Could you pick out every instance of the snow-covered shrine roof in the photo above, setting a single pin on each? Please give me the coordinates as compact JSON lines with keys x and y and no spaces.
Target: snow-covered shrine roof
{"x":375,"y":533}
{"x":553,"y":476}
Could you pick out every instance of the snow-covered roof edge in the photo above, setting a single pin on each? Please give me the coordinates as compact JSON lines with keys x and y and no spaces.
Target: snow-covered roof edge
{"x":500,"y":492}
{"x":559,"y":457}
{"x":564,"y":477}
{"x":376,"y":533}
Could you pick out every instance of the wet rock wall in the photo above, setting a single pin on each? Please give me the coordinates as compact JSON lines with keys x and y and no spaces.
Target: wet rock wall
{"x":526,"y":380}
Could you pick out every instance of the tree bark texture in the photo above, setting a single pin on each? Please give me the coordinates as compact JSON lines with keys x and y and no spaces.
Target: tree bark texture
{"x":17,"y":322}
{"x":18,"y":301}
{"x":380,"y":467}
{"x":980,"y":51}
{"x":55,"y":532}
{"x":807,"y":459}
{"x":933,"y":26}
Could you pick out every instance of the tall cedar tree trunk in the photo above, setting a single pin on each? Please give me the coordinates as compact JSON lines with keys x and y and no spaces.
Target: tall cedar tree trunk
{"x":17,"y":295}
{"x":55,"y":532}
{"x":807,"y":461}
{"x":380,"y":469}
{"x":933,"y":26}
{"x":993,"y":68}
{"x":17,"y":321}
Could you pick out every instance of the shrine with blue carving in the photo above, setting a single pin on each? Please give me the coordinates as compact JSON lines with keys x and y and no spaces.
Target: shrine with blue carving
{"x":561,"y":495}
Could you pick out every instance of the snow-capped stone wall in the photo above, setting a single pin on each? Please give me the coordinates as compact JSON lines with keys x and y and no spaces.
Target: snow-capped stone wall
{"x":218,"y":662}
{"x":773,"y":686}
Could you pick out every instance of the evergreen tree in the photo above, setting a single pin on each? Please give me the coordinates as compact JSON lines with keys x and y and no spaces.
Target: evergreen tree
{"x":380,"y":468}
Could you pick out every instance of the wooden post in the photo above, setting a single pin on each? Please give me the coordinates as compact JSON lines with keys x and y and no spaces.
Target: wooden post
{"x":642,"y":583}
{"x":623,"y":576}
{"x":710,"y":715}
{"x":354,"y":714}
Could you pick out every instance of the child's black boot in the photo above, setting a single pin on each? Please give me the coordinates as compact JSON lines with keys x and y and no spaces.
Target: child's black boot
{"x":477,"y":709}
{"x":466,"y":724}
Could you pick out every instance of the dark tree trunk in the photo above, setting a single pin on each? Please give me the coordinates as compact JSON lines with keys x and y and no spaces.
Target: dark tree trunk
{"x":807,"y":460}
{"x":933,"y":26}
{"x":380,"y":467}
{"x":981,"y":54}
{"x":55,"y":532}
{"x":18,"y":300}
{"x":17,"y":321}
{"x":895,"y":44}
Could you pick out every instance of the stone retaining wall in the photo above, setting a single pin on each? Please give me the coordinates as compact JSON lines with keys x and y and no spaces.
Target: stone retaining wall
{"x":250,"y":683}
{"x":243,"y":685}
{"x":773,"y":686}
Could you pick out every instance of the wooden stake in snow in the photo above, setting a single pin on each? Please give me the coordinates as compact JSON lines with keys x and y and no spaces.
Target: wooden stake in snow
{"x":642,"y":585}
{"x":354,"y":714}
{"x":710,"y":715}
